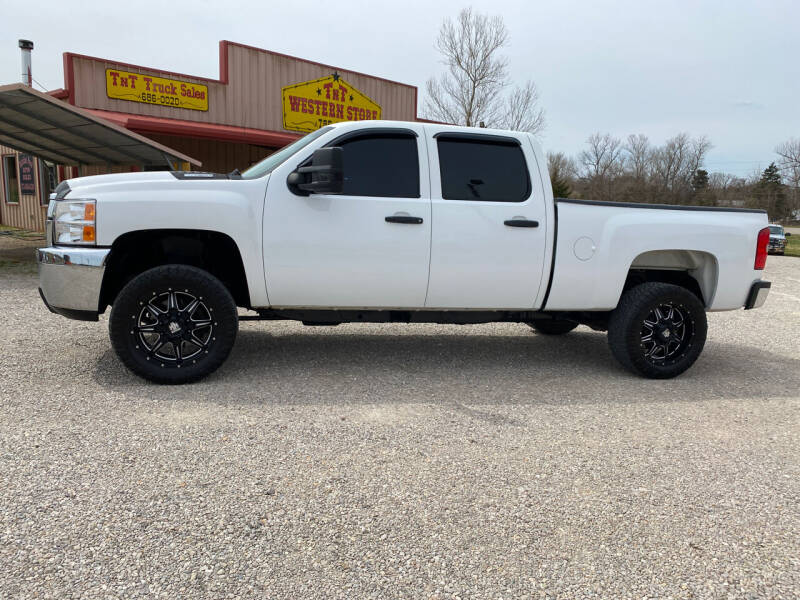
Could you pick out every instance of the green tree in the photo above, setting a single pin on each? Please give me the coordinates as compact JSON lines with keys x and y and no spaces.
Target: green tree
{"x":699,"y":180}
{"x":771,"y":176}
{"x":561,"y":188}
{"x":771,"y":193}
{"x":701,"y":193}
{"x":560,"y":168}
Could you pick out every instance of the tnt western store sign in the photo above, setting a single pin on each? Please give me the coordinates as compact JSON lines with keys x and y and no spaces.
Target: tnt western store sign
{"x":313,"y":104}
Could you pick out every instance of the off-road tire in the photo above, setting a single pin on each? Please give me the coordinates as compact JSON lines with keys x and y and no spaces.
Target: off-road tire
{"x":552,"y":326}
{"x":136,"y":325}
{"x":628,"y":330}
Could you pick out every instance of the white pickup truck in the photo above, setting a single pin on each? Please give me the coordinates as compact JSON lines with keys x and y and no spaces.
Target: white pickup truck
{"x":382,"y":221}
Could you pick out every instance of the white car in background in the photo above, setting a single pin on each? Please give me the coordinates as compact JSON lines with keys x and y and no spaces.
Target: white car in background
{"x":777,"y":239}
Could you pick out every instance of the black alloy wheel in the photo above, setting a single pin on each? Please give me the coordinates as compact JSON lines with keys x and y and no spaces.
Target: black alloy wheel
{"x":666,"y":334}
{"x":173,"y":324}
{"x":658,"y":330}
{"x":174,"y":327}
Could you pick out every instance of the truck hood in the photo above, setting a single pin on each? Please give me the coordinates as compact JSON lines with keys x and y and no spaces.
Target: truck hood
{"x":81,"y":186}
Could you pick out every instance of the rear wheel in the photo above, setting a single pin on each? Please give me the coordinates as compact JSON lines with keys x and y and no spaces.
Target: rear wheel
{"x":552,"y":326}
{"x":658,"y":330}
{"x":173,"y":324}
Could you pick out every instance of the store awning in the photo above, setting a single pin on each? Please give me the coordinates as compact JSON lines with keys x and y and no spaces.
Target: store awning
{"x":37,"y":123}
{"x":212,"y":131}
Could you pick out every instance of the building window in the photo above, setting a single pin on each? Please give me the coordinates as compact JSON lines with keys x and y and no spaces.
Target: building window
{"x":10,"y":179}
{"x":48,"y":180}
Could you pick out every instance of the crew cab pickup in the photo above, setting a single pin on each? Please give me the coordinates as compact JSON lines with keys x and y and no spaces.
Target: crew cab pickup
{"x":777,"y":239}
{"x":382,"y":221}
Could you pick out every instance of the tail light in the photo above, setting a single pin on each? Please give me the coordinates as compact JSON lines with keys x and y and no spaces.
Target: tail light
{"x":761,"y":249}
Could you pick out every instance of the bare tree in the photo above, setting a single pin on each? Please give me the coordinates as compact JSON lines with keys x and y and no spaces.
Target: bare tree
{"x":603,"y":157}
{"x":560,"y":163}
{"x":789,"y":165}
{"x":790,"y":152}
{"x":789,"y":162}
{"x":521,"y":110}
{"x":639,"y":155}
{"x":700,"y":147}
{"x":473,"y":89}
{"x":669,"y":160}
{"x":730,"y":190}
{"x":602,"y":163}
{"x":676,"y":161}
{"x":724,"y":181}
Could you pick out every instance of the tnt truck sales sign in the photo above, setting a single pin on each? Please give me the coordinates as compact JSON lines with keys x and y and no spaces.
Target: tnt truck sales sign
{"x":313,"y":104}
{"x":137,"y":87}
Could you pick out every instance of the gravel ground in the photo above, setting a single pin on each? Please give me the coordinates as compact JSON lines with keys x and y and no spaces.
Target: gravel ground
{"x":374,"y":461}
{"x":18,"y":251}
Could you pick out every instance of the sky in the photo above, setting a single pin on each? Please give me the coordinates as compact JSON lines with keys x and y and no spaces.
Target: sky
{"x":726,"y":69}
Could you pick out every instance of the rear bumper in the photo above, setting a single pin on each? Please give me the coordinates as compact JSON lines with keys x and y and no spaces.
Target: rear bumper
{"x":70,"y":280}
{"x":758,"y":294}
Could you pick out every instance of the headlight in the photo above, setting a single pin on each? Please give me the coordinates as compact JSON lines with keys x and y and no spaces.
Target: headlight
{"x":74,"y":222}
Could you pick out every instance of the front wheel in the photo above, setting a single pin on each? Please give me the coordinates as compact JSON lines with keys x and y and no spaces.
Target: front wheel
{"x":658,"y":330}
{"x":173,"y":324}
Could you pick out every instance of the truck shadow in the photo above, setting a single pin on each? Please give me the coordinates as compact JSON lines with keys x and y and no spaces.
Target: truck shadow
{"x":471,"y":367}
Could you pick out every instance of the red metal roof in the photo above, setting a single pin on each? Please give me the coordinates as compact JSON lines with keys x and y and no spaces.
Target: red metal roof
{"x":228,"y":133}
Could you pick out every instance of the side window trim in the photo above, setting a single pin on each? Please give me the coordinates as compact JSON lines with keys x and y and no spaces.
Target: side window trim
{"x":371,"y":132}
{"x":476,"y":137}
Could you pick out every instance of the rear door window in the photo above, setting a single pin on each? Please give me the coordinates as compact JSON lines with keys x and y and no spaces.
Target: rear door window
{"x":485,"y":170}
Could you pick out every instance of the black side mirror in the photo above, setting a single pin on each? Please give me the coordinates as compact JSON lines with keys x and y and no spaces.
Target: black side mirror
{"x":787,"y":234}
{"x":324,"y":176}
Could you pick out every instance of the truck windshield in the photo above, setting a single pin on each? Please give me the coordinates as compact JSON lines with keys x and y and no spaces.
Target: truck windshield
{"x":276,"y":158}
{"x":775,"y":230}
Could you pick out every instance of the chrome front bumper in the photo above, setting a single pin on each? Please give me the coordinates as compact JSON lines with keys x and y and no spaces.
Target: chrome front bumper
{"x":70,"y":280}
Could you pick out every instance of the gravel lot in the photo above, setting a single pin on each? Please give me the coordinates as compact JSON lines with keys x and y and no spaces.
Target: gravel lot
{"x":373,"y":461}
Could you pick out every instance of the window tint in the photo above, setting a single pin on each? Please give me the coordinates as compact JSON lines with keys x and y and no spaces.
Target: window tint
{"x":381,"y":165}
{"x":482,"y":170}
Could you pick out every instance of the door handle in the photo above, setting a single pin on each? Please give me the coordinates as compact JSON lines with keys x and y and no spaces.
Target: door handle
{"x":521,"y":223}
{"x":404,"y":219}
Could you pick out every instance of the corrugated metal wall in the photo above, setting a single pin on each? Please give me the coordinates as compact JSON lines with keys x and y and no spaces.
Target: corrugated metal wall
{"x":29,"y":213}
{"x":252,"y":97}
{"x":218,"y":157}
